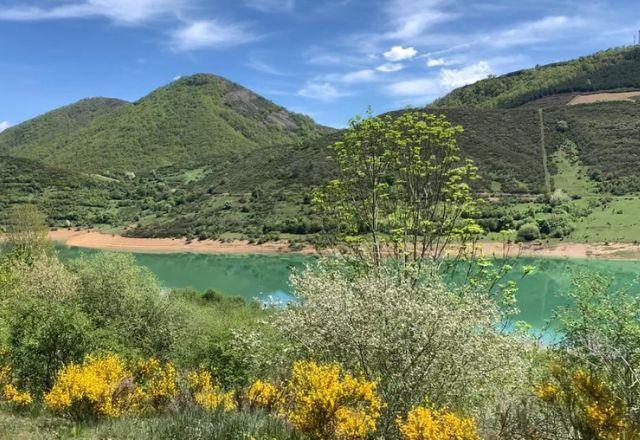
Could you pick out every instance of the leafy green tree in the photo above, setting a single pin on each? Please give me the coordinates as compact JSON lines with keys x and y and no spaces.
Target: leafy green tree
{"x":401,"y":187}
{"x":26,"y":232}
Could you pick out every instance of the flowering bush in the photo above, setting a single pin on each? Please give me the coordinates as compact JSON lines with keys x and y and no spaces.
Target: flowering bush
{"x":94,"y":388}
{"x":207,"y":393}
{"x":264,"y":395}
{"x":10,"y":392}
{"x":325,"y":402}
{"x":584,"y":399}
{"x":155,"y":384}
{"x":18,"y":398}
{"x":424,"y":423}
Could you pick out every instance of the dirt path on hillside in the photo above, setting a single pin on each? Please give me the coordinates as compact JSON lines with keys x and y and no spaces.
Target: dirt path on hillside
{"x":98,"y":240}
{"x":604,"y":97}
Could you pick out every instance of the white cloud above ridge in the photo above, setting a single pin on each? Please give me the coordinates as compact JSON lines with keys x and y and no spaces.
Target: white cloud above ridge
{"x":445,"y":81}
{"x":321,"y":91}
{"x":210,"y":34}
{"x":271,"y":5}
{"x":390,"y":67}
{"x":4,"y":125}
{"x":400,"y":53}
{"x":454,"y":78}
{"x":126,"y":12}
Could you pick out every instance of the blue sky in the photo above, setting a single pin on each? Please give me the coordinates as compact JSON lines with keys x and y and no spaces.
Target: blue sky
{"x":326,"y":58}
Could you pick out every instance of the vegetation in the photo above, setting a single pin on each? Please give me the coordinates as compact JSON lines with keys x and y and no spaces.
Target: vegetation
{"x":376,"y":347}
{"x":197,"y":118}
{"x":606,"y":70}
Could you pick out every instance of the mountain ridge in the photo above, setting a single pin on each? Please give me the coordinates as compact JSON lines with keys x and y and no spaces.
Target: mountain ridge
{"x":195,"y":118}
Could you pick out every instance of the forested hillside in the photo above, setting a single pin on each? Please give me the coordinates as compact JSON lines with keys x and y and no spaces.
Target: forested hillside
{"x":606,"y":70}
{"x":191,"y":120}
{"x":39,"y":136}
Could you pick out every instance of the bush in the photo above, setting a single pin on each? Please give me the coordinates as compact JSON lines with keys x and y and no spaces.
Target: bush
{"x":418,"y":339}
{"x":528,"y":232}
{"x":425,"y":423}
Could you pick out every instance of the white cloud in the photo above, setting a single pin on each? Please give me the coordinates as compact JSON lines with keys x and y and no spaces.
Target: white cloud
{"x":438,"y":62}
{"x":399,"y":53}
{"x":390,"y":67}
{"x":453,"y":78}
{"x":121,"y":11}
{"x":264,"y":67}
{"x":535,"y":31}
{"x":358,"y":76}
{"x":4,"y":125}
{"x":176,"y":78}
{"x":209,"y":34}
{"x":410,"y":19}
{"x":445,"y":81}
{"x":271,"y":5}
{"x":321,"y":91}
{"x":416,"y":87}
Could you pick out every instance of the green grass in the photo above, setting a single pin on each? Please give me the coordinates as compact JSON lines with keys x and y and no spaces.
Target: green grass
{"x":572,"y":177}
{"x":617,"y":221}
{"x":186,"y":425}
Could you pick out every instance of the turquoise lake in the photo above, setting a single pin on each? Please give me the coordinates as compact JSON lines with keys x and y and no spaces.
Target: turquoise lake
{"x":265,"y":277}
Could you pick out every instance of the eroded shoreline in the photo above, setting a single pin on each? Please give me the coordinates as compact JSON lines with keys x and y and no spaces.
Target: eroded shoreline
{"x":114,"y":242}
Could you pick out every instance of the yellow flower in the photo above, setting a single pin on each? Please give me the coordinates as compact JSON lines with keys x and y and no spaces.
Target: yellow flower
{"x":323,"y":401}
{"x":423,"y":423}
{"x":11,"y":394}
{"x":97,"y":383}
{"x":207,"y":393}
{"x":264,"y":395}
{"x":156,"y":384}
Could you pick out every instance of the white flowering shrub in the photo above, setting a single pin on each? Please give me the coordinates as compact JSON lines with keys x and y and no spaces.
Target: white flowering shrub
{"x":417,"y":339}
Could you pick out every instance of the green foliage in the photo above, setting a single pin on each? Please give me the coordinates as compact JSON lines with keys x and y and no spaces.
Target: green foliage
{"x":606,"y":70}
{"x":126,"y":307}
{"x":191,"y":120}
{"x":402,"y":183}
{"x":528,"y":232}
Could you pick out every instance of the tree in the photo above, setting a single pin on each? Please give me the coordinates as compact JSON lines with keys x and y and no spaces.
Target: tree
{"x":401,"y":187}
{"x":26,"y":232}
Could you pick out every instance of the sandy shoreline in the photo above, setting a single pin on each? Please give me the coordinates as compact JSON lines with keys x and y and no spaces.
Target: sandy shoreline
{"x":113,"y":242}
{"x":109,"y":242}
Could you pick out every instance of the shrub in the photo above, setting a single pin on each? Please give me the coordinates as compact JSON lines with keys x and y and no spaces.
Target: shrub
{"x":262,"y":394}
{"x":156,"y":384}
{"x":126,"y":306}
{"x":425,"y":423}
{"x":528,"y":232}
{"x":207,"y":393}
{"x":558,"y":197}
{"x":589,"y":405}
{"x":95,"y":388}
{"x":325,"y":402}
{"x":416,"y":339}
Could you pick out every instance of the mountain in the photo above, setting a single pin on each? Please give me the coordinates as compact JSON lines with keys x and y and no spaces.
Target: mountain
{"x":613,"y":69}
{"x":211,"y":159}
{"x":194,"y":119}
{"x":37,"y":135}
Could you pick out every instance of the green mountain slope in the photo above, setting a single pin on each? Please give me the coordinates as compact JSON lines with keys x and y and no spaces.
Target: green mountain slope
{"x":606,"y":70}
{"x":39,"y":134}
{"x":194,"y":119}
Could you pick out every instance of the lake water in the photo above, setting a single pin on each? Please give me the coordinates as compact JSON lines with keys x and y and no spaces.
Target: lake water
{"x":266,"y":277}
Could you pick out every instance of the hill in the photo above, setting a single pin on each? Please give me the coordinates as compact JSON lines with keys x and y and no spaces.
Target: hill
{"x":607,"y":70}
{"x":191,"y":120}
{"x":38,"y":135}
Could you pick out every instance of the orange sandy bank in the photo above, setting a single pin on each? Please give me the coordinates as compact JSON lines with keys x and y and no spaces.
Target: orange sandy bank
{"x":98,"y":240}
{"x":108,"y":242}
